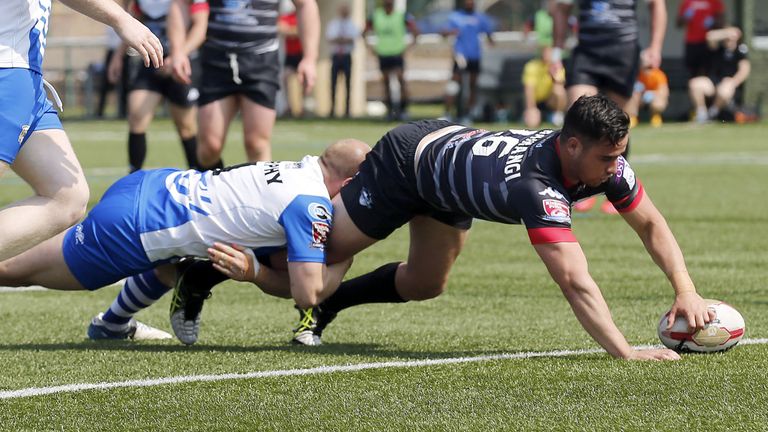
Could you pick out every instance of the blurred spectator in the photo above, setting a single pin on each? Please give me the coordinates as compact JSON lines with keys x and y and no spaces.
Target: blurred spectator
{"x":541,"y":24}
{"x":341,"y":34}
{"x":466,"y":25}
{"x":729,"y":68}
{"x":699,"y":16}
{"x":289,"y":29}
{"x":113,"y":43}
{"x":651,"y":90}
{"x":147,"y":87}
{"x":390,"y":28}
{"x":543,"y":92}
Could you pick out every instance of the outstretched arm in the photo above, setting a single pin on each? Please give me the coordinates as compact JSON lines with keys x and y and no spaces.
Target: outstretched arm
{"x":568,"y":267}
{"x":134,"y":33}
{"x":660,"y":243}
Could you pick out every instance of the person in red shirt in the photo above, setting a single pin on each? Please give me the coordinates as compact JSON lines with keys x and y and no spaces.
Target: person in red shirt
{"x":289,"y":28}
{"x":699,"y":16}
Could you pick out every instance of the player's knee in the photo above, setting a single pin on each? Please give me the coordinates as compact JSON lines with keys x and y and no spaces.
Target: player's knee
{"x":70,"y":205}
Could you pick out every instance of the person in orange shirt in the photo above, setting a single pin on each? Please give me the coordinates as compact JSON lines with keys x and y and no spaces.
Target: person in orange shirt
{"x":651,"y":90}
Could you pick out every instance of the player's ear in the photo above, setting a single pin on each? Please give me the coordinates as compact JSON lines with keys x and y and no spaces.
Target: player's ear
{"x":346,"y":181}
{"x":573,"y":146}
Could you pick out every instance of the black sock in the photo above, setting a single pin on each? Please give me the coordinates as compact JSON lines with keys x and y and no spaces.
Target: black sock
{"x":202,"y":276}
{"x":137,"y":150}
{"x":377,"y":286}
{"x":190,"y":151}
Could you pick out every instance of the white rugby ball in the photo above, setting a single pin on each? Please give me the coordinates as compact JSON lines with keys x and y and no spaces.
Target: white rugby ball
{"x":722,"y":333}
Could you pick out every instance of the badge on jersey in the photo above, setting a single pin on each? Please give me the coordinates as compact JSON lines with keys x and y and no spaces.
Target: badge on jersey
{"x":556,"y":211}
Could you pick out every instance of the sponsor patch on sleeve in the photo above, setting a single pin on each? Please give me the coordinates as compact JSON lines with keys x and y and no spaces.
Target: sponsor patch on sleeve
{"x":320,"y":232}
{"x":556,"y":211}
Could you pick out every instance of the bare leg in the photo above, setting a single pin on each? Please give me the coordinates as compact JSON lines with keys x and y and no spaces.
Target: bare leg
{"x":214,"y":119}
{"x":49,"y":165}
{"x":42,"y":265}
{"x":258,"y":122}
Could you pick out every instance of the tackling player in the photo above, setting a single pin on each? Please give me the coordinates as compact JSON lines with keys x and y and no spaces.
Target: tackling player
{"x":437,"y":176}
{"x":149,"y":219}
{"x":32,"y":139}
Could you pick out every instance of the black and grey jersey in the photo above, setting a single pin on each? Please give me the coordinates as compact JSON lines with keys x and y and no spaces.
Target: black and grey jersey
{"x":604,"y":22}
{"x":243,"y":25}
{"x":512,"y":176}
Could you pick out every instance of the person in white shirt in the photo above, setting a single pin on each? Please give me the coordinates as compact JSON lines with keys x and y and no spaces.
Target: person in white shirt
{"x":146,"y":221}
{"x":32,"y":140}
{"x":341,"y":34}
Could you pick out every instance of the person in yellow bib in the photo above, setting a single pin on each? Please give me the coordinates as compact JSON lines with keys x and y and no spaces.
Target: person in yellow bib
{"x":541,"y":91}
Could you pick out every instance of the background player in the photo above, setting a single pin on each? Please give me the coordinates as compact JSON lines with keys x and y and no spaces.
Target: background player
{"x":148,"y":87}
{"x":149,"y":218}
{"x":32,"y":140}
{"x":241,"y":71}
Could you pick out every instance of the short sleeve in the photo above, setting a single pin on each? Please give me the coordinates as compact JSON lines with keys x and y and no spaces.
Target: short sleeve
{"x":307,"y":223}
{"x":623,"y":189}
{"x":545,"y":211}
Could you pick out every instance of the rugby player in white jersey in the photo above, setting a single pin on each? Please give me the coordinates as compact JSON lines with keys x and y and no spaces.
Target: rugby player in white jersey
{"x":32,"y":140}
{"x":148,"y":220}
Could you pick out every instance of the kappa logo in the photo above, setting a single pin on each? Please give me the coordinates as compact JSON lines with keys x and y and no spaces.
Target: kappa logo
{"x":556,"y":211}
{"x":318,"y":211}
{"x":366,"y":199}
{"x":23,"y":133}
{"x":552,"y":193}
{"x":320,"y":232}
{"x":79,"y":234}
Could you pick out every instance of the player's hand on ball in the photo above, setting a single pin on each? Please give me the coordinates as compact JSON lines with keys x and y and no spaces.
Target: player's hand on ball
{"x":693,"y":308}
{"x":141,"y":42}
{"x":234,"y":261}
{"x":654,"y":355}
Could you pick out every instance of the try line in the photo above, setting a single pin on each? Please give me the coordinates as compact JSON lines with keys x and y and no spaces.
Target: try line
{"x":72,"y":388}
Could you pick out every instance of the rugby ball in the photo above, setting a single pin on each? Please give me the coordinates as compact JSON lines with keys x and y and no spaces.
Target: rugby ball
{"x":722,"y":333}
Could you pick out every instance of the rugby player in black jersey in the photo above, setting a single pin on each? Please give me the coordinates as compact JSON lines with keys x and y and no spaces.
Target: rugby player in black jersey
{"x":241,"y":71}
{"x":437,"y":176}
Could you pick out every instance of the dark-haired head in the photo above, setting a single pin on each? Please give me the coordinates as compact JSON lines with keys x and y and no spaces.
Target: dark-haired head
{"x":594,"y":119}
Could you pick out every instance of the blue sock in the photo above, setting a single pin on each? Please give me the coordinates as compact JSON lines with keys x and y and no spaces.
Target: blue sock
{"x":139,"y":292}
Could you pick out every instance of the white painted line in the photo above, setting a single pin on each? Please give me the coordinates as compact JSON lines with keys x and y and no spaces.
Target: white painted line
{"x":72,"y":388}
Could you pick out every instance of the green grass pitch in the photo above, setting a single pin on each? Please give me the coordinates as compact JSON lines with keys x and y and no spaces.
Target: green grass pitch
{"x":709,"y":181}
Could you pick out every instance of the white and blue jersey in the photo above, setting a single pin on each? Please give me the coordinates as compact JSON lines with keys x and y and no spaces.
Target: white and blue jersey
{"x":152,"y":217}
{"x":24,"y":105}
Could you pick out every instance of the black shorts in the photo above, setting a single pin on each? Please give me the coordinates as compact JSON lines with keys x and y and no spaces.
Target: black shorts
{"x":697,"y":59}
{"x":472,"y":66}
{"x":383,"y":195}
{"x":387,"y":63}
{"x":228,"y":73}
{"x":607,"y":67}
{"x":151,"y":79}
{"x":292,"y":61}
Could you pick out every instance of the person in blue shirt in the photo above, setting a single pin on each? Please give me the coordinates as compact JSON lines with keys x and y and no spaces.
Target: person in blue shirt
{"x":466,"y":25}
